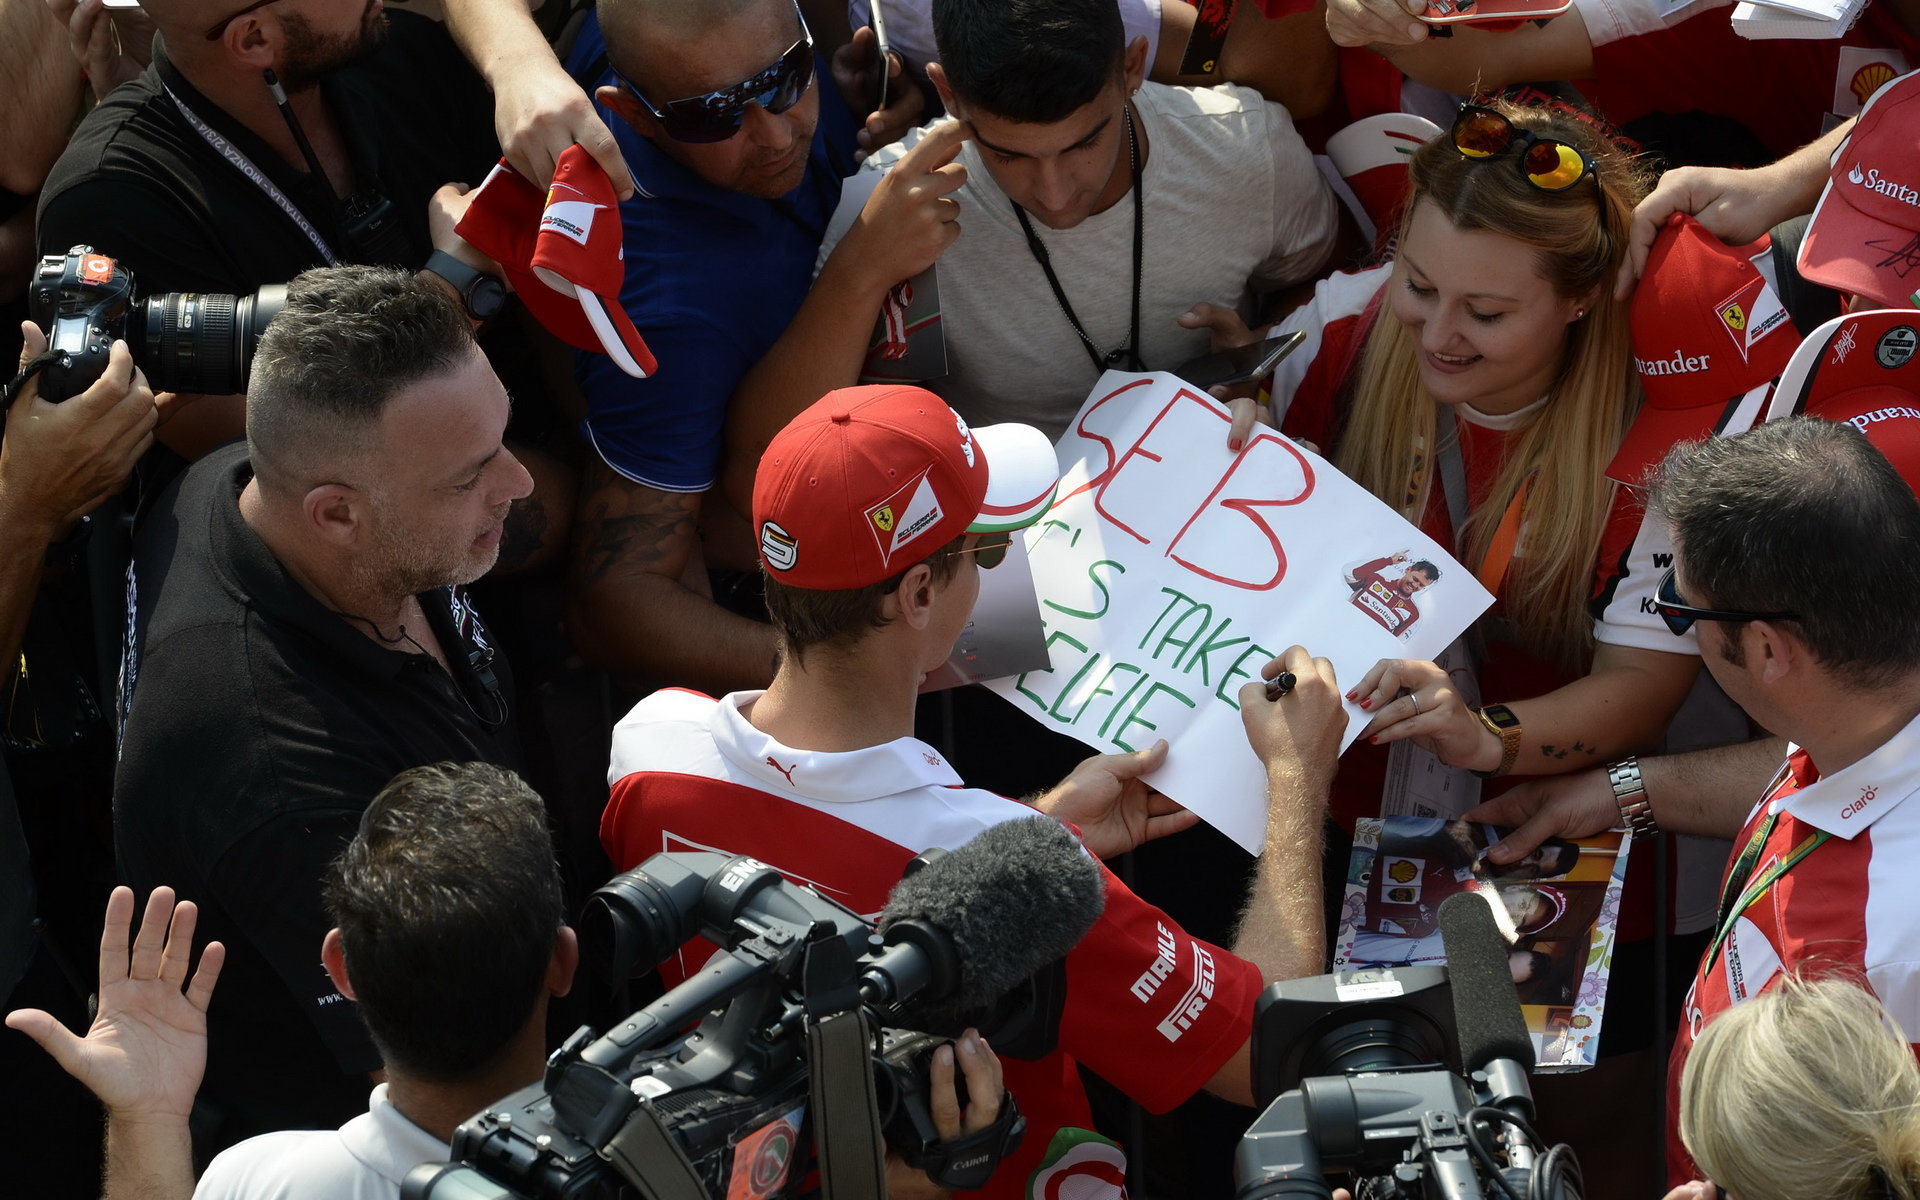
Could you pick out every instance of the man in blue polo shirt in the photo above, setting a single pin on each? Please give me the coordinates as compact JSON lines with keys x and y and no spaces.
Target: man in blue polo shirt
{"x":737,"y":154}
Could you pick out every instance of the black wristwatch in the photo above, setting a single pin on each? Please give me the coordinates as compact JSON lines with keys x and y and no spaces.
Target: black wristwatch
{"x":480,"y":293}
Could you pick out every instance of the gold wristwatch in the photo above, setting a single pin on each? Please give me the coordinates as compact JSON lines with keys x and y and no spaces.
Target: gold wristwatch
{"x":1501,"y":722}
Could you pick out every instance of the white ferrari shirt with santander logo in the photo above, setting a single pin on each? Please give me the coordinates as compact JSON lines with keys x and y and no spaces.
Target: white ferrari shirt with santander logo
{"x":1847,"y":907}
{"x":1150,"y":1009}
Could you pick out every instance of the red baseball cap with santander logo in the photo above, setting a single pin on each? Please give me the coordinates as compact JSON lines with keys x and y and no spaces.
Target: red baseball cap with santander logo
{"x":871,"y":480}
{"x":1865,"y":234}
{"x":562,"y":252}
{"x":1710,"y":336}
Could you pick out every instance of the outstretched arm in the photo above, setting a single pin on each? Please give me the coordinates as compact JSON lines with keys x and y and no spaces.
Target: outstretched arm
{"x":904,"y":226}
{"x":147,"y":1048}
{"x":1622,"y":705}
{"x":1297,"y":736}
{"x":538,"y":110}
{"x":1705,"y":792}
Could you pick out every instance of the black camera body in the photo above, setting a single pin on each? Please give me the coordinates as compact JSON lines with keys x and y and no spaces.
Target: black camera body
{"x":1361,"y":1072}
{"x":648,"y":1109}
{"x":184,"y":341}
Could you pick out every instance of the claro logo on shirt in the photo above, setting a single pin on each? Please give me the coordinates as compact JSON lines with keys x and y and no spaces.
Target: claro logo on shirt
{"x":1191,"y":1003}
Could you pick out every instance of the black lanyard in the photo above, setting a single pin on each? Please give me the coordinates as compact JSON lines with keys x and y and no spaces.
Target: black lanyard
{"x":1129,"y":354}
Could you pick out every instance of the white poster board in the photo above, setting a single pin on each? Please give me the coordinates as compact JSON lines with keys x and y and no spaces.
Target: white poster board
{"x":1170,"y":569}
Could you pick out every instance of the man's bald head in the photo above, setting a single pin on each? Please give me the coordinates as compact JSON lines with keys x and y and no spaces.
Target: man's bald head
{"x":639,"y":29}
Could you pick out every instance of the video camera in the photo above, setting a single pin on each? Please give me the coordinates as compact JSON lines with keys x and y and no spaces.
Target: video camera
{"x":1362,"y":1072}
{"x":184,"y":341}
{"x":799,"y":1040}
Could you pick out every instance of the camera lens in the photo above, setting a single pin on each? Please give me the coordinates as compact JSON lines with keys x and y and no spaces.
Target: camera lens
{"x":201,"y":342}
{"x":639,"y":918}
{"x":1374,"y":1042}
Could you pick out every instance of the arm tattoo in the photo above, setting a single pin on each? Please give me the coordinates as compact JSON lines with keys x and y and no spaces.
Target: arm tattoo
{"x":632,"y":527}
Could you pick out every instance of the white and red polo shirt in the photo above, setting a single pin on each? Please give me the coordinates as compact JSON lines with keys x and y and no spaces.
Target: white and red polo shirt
{"x":1150,"y":1009}
{"x":1847,"y":907}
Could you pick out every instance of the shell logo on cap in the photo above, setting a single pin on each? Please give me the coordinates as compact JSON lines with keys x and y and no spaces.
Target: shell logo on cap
{"x":966,"y":438}
{"x":778,"y":547}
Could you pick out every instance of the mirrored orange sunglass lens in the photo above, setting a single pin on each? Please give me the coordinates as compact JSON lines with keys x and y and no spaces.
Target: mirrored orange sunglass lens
{"x":1480,"y":135}
{"x":1554,"y":166}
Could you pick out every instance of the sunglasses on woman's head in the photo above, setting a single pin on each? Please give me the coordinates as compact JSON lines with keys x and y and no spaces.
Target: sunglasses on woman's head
{"x":1547,"y":163}
{"x":717,"y":115}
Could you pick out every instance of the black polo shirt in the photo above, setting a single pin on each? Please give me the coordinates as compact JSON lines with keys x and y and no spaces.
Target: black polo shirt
{"x":261,"y":725}
{"x":140,"y":183}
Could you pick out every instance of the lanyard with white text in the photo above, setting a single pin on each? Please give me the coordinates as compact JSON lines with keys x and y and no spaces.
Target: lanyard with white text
{"x":257,"y":177}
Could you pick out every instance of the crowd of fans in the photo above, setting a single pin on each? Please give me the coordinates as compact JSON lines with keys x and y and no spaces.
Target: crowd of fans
{"x":546,"y":534}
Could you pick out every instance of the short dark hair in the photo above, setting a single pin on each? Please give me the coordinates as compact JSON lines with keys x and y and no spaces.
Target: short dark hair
{"x":448,"y":904}
{"x":806,"y":618}
{"x":1433,"y":572}
{"x":1803,"y":515}
{"x":349,"y":340}
{"x":1033,"y":61}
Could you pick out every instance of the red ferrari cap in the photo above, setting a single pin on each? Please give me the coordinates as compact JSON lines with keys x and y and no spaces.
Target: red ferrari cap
{"x":1708,"y":330}
{"x":567,"y":274}
{"x":870,"y":480}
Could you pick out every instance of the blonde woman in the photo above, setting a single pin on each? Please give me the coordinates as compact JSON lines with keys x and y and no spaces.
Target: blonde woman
{"x":1480,"y":384}
{"x":1808,"y":1089}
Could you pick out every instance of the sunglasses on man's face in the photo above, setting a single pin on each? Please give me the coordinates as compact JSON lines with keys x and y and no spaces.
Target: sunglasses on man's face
{"x":991,"y":549}
{"x":1548,"y":164}
{"x":717,"y":115}
{"x":1680,"y":616}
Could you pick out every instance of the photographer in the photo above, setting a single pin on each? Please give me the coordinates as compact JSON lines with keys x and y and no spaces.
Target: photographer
{"x":59,"y":461}
{"x":449,"y":936}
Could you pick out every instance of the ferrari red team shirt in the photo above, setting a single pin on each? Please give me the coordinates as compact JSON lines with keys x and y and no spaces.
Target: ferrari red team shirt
{"x":1150,"y":1009}
{"x":1846,"y":907}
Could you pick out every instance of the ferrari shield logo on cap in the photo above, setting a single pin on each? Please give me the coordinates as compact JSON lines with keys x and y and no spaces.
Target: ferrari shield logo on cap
{"x":883,"y":518}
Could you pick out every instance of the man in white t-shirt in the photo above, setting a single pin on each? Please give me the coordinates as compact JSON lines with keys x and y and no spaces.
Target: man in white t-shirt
{"x":1077,"y":213}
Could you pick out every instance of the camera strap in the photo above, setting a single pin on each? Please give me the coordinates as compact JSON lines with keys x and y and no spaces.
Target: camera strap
{"x":256,"y":176}
{"x":10,"y":391}
{"x":846,"y":1113}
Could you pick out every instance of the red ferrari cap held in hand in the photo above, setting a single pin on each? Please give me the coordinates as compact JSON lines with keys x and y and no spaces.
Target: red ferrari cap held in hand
{"x":561,"y":251}
{"x":1708,"y":330}
{"x":871,"y":480}
{"x":1865,"y":234}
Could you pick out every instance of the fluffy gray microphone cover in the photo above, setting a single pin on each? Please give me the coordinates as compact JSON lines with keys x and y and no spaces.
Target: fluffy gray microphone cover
{"x":1014,"y":899}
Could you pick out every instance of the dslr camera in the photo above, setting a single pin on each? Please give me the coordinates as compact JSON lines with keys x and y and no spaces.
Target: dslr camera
{"x":184,"y":341}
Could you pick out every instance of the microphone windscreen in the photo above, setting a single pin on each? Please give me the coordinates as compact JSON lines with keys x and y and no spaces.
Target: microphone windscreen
{"x":1014,"y":899}
{"x":1486,"y":1008}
